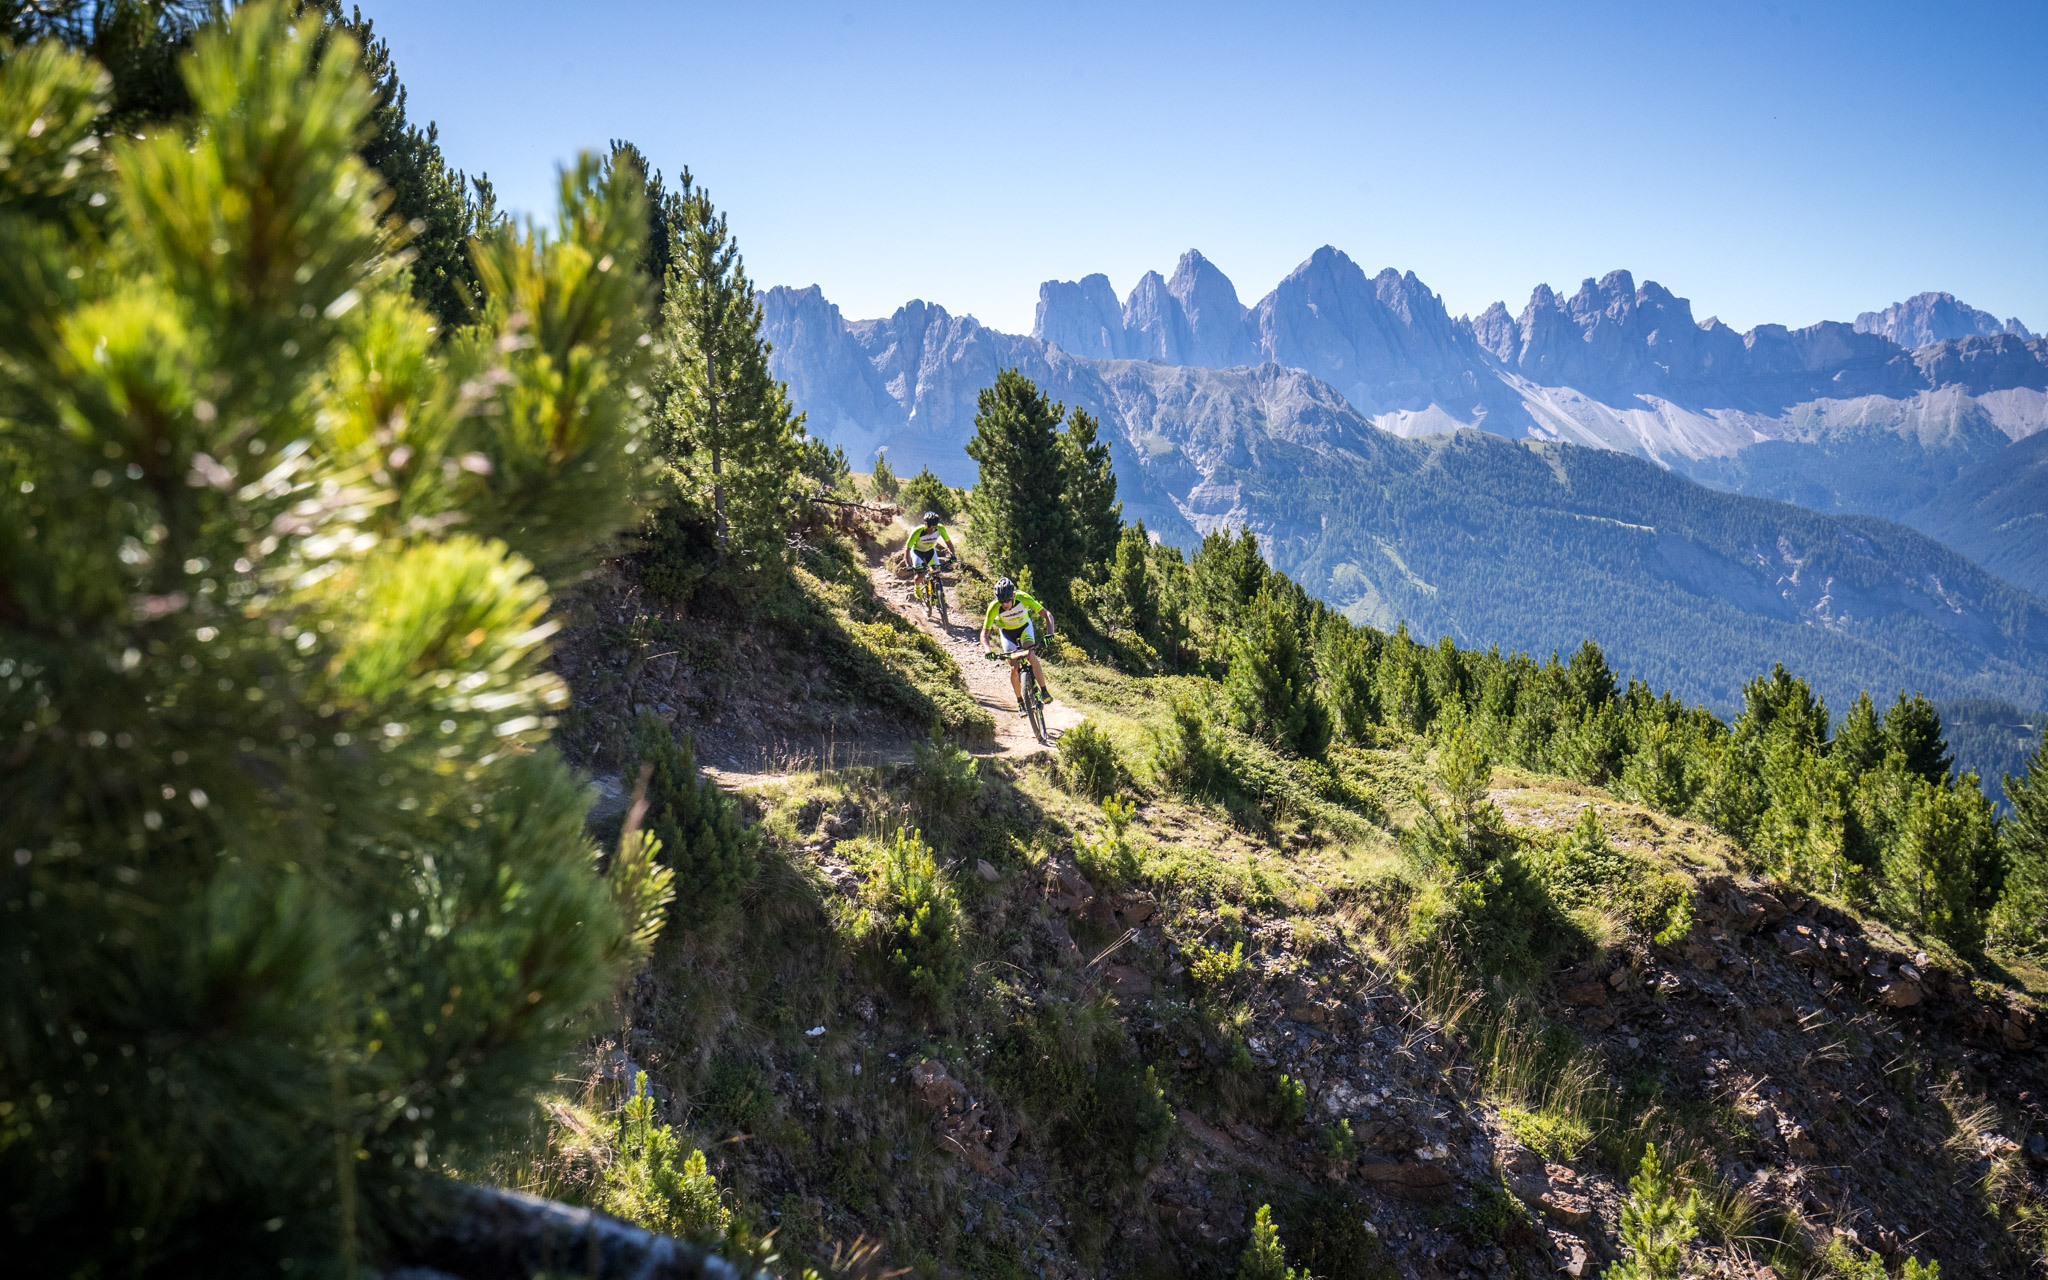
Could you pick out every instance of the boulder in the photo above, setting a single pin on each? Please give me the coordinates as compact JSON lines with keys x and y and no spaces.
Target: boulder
{"x":1584,"y":994}
{"x":1415,"y":1179}
{"x":1128,"y":983}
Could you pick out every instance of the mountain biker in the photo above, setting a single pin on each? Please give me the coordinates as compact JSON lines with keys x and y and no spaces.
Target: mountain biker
{"x":923,"y":547}
{"x":1009,"y":616}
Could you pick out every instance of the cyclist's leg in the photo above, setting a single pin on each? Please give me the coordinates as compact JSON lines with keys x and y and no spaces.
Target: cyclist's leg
{"x":1036,"y":669}
{"x":1013,"y":643}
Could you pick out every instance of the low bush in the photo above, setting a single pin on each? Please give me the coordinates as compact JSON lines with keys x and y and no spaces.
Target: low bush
{"x":1557,"y":1136}
{"x":1495,"y":1216}
{"x":1111,"y":859}
{"x":1214,"y":968}
{"x":649,"y":1186}
{"x":945,"y":780}
{"x":1089,"y":762}
{"x":713,"y":854}
{"x":1337,"y":1143}
{"x":919,"y":927}
{"x":1290,"y":1102}
{"x":1584,"y":869}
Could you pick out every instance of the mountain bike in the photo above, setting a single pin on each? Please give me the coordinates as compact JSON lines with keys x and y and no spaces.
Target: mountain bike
{"x":931,"y":593}
{"x":1034,"y":695}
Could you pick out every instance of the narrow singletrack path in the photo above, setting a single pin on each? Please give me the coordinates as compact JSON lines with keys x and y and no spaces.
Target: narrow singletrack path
{"x":988,"y":682}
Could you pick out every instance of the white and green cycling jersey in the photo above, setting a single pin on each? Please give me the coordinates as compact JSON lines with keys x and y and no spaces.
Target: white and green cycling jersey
{"x":924,"y":543}
{"x":1012,"y":621}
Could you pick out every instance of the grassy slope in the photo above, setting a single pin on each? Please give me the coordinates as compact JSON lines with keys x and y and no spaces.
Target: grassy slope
{"x":1820,"y":1110}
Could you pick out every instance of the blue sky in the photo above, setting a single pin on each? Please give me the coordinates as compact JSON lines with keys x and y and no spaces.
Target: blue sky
{"x":1773,"y":162}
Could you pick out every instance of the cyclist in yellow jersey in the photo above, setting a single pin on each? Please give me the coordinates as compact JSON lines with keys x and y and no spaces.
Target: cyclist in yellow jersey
{"x":923,"y":547}
{"x":1009,"y":617}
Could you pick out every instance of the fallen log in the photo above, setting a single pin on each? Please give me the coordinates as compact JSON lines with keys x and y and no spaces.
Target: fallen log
{"x":488,"y":1233}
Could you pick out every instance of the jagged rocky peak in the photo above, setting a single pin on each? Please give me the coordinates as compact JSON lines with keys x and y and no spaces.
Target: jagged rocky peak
{"x":1213,"y":314}
{"x":1082,"y":318}
{"x":1927,"y":318}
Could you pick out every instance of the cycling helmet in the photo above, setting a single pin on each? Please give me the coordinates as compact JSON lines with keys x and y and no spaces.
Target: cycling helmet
{"x":930,"y":518}
{"x":1005,"y":589}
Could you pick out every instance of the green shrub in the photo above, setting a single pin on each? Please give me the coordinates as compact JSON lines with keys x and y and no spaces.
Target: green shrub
{"x":1656,"y":1225}
{"x":1069,"y":1068}
{"x":737,"y":1097}
{"x":713,"y":854}
{"x":946,"y":781}
{"x":1554,"y":1135}
{"x":1089,"y":761}
{"x":1111,"y":859}
{"x":1498,"y":919}
{"x":921,"y":933}
{"x":926,"y":492}
{"x":1338,"y":1242}
{"x":1202,"y":761}
{"x":1337,"y":1142}
{"x":1272,"y":687}
{"x":1495,"y":1215}
{"x":1584,"y":869}
{"x":1264,"y":1258}
{"x":646,"y":1184}
{"x":1290,"y":1101}
{"x":1215,"y":968}
{"x":301,"y":909}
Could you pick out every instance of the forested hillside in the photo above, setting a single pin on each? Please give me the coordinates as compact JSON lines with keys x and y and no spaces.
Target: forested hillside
{"x":1533,"y":546}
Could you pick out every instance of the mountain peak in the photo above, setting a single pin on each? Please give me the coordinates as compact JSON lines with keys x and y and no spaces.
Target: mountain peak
{"x":1927,"y":318}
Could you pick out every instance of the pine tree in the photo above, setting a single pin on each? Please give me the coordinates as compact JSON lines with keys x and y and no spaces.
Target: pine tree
{"x":1130,"y":595}
{"x":1656,"y":1225}
{"x":1019,"y":515}
{"x":137,"y":42}
{"x":1090,"y":493}
{"x":1940,"y":863}
{"x":1859,"y":745}
{"x":702,"y":840}
{"x":2021,"y":920}
{"x":1227,"y":573}
{"x":727,"y":429}
{"x":1912,"y":728}
{"x":1348,"y":659}
{"x":300,"y":904}
{"x":883,"y":479}
{"x":441,"y":207}
{"x":1272,"y":686}
{"x":1264,"y":1257}
{"x":665,"y":216}
{"x":1591,"y":679}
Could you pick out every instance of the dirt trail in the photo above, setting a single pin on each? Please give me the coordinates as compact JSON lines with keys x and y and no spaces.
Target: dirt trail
{"x":988,"y":682}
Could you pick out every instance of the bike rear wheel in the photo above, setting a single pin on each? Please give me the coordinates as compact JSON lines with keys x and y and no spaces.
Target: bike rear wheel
{"x":1032,"y":711}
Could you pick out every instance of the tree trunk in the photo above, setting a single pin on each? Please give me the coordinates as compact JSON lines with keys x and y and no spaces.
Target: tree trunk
{"x":717,"y":436}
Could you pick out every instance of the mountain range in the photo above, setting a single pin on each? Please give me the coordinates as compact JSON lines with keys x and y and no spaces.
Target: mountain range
{"x":1222,"y":414}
